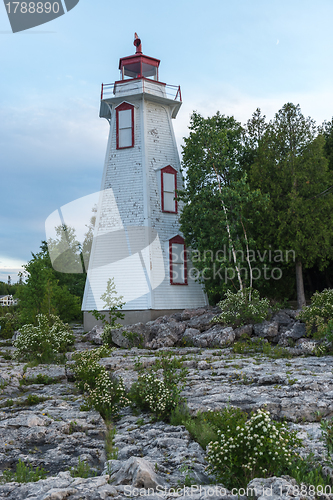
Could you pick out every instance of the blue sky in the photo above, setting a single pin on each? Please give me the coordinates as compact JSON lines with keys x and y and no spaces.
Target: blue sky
{"x":227,"y":56}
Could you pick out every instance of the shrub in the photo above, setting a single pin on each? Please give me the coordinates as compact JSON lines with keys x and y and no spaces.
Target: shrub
{"x":23,"y":474}
{"x":86,"y":367}
{"x":160,"y":394}
{"x":8,"y":324}
{"x":242,"y":307}
{"x":113,"y":304}
{"x":152,"y":394}
{"x":82,"y":469}
{"x":327,"y":435}
{"x":104,"y":393}
{"x":45,"y":341}
{"x":255,"y":448}
{"x":317,"y":316}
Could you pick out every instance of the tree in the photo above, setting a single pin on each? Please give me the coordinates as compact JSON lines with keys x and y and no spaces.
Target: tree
{"x":217,"y":201}
{"x":46,"y":291}
{"x":290,"y":167}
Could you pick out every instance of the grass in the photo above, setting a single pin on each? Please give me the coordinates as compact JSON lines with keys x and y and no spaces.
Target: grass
{"x":257,"y":345}
{"x":32,"y":399}
{"x":6,"y":355}
{"x":39,"y":379}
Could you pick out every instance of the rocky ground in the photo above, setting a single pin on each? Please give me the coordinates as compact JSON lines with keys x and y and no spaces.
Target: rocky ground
{"x":55,"y":433}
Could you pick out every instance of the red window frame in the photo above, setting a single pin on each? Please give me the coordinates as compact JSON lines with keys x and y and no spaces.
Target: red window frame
{"x":169,"y":170}
{"x":180,"y":241}
{"x":122,"y":107}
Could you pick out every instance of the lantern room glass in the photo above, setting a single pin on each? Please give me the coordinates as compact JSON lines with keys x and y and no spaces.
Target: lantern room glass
{"x":139,"y":69}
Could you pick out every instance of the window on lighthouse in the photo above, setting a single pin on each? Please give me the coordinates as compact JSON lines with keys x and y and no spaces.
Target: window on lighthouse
{"x":168,"y":189}
{"x":178,"y":261}
{"x":125,"y":126}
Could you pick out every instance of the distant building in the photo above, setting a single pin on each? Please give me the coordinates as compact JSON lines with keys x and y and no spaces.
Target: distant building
{"x":137,"y":239}
{"x":7,"y":300}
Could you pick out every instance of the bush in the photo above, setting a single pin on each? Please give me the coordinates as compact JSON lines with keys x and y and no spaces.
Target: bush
{"x":103,"y":393}
{"x":255,"y":448}
{"x":82,"y":469}
{"x":45,"y":341}
{"x":87,"y":368}
{"x":152,"y":393}
{"x":24,"y":474}
{"x":242,"y":307}
{"x":160,"y":394}
{"x":327,"y":435}
{"x":8,"y":323}
{"x":317,"y":316}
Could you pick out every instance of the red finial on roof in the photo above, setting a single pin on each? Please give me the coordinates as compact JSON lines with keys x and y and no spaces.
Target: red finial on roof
{"x":137,"y":43}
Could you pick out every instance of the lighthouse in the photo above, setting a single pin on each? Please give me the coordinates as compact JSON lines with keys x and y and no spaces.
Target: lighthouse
{"x":137,"y":239}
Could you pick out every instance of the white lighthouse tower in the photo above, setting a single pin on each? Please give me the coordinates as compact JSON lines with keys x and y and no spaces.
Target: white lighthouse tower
{"x":137,"y":239}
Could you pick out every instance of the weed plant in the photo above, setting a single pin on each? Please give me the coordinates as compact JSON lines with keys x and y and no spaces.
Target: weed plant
{"x":327,"y":435}
{"x":39,"y":379}
{"x":309,"y":472}
{"x":258,"y":345}
{"x":110,"y":448}
{"x":104,"y":393}
{"x":82,"y":469}
{"x":23,"y":474}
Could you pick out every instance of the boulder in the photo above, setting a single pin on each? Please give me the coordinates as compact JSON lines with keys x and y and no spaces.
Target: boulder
{"x":266,"y":329}
{"x":202,"y":322}
{"x":190,"y":313}
{"x":297,"y":331}
{"x":131,"y":335}
{"x":217,"y":336}
{"x":165,"y":334}
{"x":138,"y":473}
{"x":275,"y":488}
{"x":94,"y":336}
{"x":16,"y":335}
{"x":282,"y":318}
{"x":243,"y":330}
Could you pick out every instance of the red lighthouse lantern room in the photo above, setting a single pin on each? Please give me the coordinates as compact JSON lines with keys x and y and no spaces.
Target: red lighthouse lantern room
{"x":138,"y":65}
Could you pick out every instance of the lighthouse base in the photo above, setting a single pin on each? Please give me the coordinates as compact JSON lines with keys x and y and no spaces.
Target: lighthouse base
{"x":131,"y":317}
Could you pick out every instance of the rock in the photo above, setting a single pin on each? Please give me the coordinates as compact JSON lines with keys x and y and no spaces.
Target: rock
{"x":243,"y":330}
{"x":282,"y":318}
{"x":165,"y":334}
{"x":275,"y":488}
{"x":17,"y":333}
{"x":131,"y":335}
{"x":54,"y":433}
{"x":202,"y":322}
{"x":190,"y":313}
{"x":217,"y":336}
{"x":95,"y":335}
{"x":138,"y":473}
{"x":266,"y":329}
{"x":297,"y":331}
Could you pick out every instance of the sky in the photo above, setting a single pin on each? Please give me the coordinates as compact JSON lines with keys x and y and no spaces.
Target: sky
{"x":227,"y":56}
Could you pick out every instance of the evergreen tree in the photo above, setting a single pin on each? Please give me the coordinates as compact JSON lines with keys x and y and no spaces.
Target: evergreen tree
{"x":290,"y":167}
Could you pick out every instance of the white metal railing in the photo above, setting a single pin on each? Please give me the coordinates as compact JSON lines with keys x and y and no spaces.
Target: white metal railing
{"x":141,"y":84}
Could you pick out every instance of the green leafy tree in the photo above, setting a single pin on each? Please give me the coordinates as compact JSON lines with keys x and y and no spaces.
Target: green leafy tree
{"x":45,"y":291}
{"x":217,"y":202}
{"x":290,"y":167}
